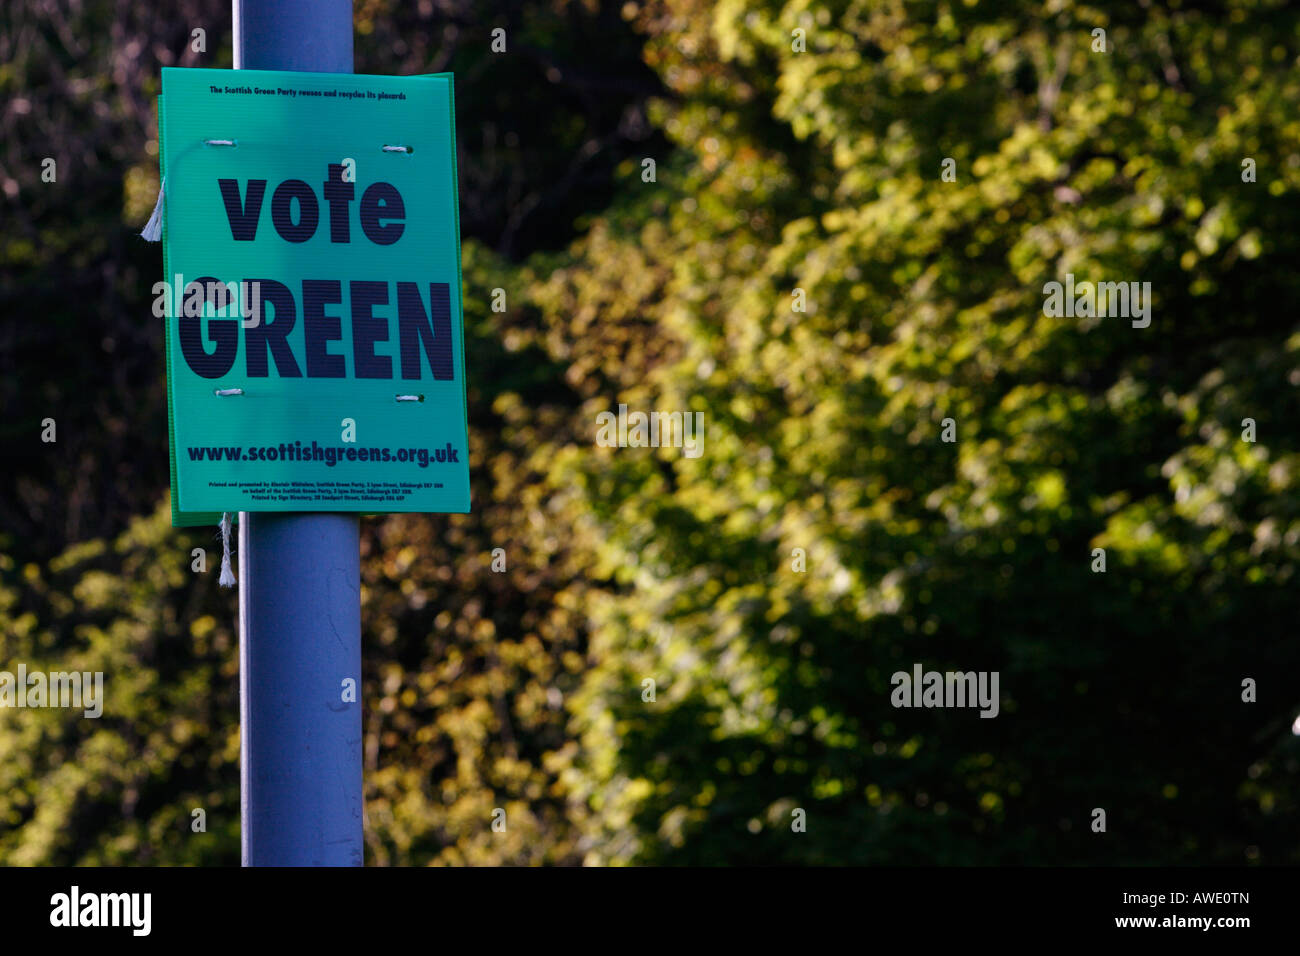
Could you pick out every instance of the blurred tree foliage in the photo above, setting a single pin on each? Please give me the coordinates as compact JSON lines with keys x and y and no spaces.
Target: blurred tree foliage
{"x":778,"y":170}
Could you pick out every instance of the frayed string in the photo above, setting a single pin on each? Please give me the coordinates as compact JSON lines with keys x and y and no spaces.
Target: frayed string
{"x":227,"y":579}
{"x":152,"y":231}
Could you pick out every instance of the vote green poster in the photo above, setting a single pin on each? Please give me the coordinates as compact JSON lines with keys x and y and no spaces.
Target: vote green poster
{"x":311,"y":293}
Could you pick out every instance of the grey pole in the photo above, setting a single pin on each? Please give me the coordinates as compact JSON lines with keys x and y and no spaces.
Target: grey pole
{"x":299,"y":581}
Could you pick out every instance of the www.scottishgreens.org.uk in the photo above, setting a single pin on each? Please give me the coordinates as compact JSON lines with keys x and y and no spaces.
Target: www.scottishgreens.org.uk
{"x":329,"y":455}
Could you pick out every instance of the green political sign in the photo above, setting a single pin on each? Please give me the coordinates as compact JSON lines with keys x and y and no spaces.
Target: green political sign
{"x":312,"y":299}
